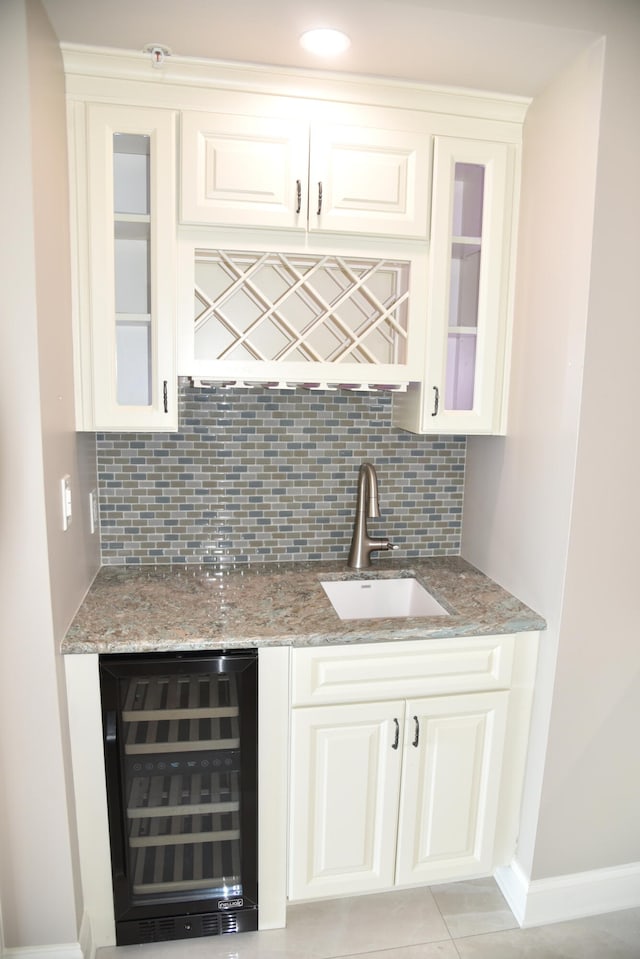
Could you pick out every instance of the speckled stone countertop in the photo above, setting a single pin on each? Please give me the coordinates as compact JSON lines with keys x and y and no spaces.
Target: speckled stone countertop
{"x":182,"y":607}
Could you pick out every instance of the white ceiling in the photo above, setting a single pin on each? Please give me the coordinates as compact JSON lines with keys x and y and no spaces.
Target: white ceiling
{"x":431,"y":41}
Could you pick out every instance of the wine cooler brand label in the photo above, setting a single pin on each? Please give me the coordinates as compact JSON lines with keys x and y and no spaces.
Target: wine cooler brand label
{"x":231,"y":904}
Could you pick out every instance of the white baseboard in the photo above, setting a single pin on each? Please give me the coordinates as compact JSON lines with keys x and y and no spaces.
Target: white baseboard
{"x":67,"y":950}
{"x":541,"y":901}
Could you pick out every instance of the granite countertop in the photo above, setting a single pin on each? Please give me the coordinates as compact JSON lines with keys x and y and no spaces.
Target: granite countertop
{"x":182,"y":607}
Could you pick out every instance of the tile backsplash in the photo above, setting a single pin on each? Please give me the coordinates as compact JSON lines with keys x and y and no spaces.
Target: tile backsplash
{"x":270,"y":476}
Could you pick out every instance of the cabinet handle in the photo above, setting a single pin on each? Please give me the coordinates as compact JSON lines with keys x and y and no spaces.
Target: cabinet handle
{"x":396,"y":741}
{"x":319,"y":197}
{"x":298,"y":195}
{"x":165,"y":396}
{"x":416,"y":738}
{"x":436,"y":401}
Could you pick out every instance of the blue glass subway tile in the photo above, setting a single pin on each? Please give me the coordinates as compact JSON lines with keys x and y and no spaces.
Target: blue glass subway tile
{"x":301,"y":451}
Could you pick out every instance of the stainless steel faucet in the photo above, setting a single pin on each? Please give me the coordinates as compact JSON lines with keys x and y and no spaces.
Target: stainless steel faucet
{"x":362,"y":545}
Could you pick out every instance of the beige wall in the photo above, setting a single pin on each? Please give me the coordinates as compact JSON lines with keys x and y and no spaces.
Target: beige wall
{"x":591,"y":791}
{"x":519,"y":489}
{"x":551,"y":511}
{"x":44,"y":573}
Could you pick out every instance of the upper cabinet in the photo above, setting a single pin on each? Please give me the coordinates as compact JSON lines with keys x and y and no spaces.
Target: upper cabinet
{"x":240,"y":226}
{"x":270,"y":169}
{"x":125,"y":322}
{"x":463,"y":389}
{"x":243,"y":170}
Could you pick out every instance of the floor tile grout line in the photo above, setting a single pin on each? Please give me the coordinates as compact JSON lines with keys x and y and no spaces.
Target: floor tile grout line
{"x":455,"y":946}
{"x":442,"y":915}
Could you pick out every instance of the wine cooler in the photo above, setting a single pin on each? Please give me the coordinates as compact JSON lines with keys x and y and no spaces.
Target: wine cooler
{"x":180,"y":740}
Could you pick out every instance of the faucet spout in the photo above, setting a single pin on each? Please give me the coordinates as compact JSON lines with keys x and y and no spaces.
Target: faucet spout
{"x":367,"y":505}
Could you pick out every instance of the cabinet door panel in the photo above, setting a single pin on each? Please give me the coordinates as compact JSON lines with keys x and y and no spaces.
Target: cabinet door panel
{"x":371,"y":181}
{"x":244,"y":170}
{"x":470,"y":273}
{"x":450,"y":786}
{"x":128,"y":335}
{"x":345,"y":776}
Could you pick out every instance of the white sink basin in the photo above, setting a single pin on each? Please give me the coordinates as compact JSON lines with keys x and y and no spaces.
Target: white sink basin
{"x":381,"y":598}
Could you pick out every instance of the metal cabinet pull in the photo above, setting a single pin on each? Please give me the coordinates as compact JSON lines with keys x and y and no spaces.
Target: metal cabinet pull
{"x":298,"y":195}
{"x":436,"y":401}
{"x":165,"y":396}
{"x":397,"y":738}
{"x":319,"y":198}
{"x":416,"y":738}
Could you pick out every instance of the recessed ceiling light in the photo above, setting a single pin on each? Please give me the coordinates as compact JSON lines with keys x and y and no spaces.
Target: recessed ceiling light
{"x":325,"y":42}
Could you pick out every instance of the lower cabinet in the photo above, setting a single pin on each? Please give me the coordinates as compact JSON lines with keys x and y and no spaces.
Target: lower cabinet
{"x":394,"y":793}
{"x":346,"y":768}
{"x":390,"y":791}
{"x":450,"y":784}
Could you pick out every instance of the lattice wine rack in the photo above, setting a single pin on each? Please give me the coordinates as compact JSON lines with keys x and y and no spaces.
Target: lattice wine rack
{"x":257,"y":314}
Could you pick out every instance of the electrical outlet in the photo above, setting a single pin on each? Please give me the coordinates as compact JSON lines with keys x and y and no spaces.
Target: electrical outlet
{"x":65,"y":492}
{"x":94,"y":515}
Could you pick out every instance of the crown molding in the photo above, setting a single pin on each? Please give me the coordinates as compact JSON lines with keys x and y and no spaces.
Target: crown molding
{"x":90,"y":68}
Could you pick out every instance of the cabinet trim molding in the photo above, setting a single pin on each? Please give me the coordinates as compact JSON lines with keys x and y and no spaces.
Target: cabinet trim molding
{"x":100,"y":71}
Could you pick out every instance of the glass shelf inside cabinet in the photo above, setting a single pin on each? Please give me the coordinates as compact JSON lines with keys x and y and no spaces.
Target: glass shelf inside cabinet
{"x":132,"y":249}
{"x":464,"y":289}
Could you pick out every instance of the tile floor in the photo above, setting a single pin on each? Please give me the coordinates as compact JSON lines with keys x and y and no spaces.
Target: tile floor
{"x":463,"y":920}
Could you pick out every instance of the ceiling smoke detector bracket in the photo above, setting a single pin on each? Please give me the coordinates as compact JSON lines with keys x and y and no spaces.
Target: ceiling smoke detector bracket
{"x":158,"y":53}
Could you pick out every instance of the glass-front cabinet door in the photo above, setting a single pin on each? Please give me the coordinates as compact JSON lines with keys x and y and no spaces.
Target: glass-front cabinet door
{"x":131,"y":289}
{"x":466,"y":303}
{"x":469,"y":290}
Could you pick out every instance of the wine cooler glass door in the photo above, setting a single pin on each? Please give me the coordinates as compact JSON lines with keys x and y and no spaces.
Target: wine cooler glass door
{"x":187,"y":782}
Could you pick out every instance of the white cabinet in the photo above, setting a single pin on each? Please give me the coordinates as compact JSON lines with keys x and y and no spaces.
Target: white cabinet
{"x":393,"y":793}
{"x":369,"y":181}
{"x":346,"y":764}
{"x":242,"y":170}
{"x":126,"y":282}
{"x":389,"y":790}
{"x":463,"y":389}
{"x":277,"y":170}
{"x":450,"y":786}
{"x":314,"y":232}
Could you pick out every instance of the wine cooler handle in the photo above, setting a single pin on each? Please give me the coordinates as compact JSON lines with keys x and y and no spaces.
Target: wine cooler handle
{"x":396,"y":741}
{"x":416,"y":738}
{"x":111,"y":728}
{"x":118,"y":857}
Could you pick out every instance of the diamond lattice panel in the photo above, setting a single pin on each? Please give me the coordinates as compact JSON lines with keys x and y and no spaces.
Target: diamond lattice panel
{"x":275,"y":307}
